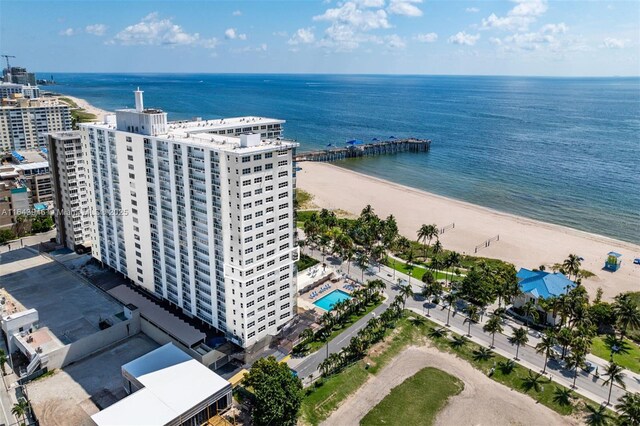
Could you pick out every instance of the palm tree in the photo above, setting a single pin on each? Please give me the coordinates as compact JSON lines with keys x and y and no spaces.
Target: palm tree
{"x":529,"y":310}
{"x":564,"y":337}
{"x":432,"y":291}
{"x":450,"y":299}
{"x":362,"y":262}
{"x":453,"y":261}
{"x":629,"y":409}
{"x":627,"y":313}
{"x":423,"y":235}
{"x":572,"y":265}
{"x":306,"y":335}
{"x":598,"y":416}
{"x":409,"y":265}
{"x":348,"y":256}
{"x":472,"y":317}
{"x":3,"y":361}
{"x":482,"y":354}
{"x":438,"y":333}
{"x":507,"y":366}
{"x":545,"y":346}
{"x":405,"y":292}
{"x":458,"y":342}
{"x":493,"y":326}
{"x":21,"y":409}
{"x":532,"y":381}
{"x":519,"y":337}
{"x":574,"y":361}
{"x":562,"y":396}
{"x":615,"y":375}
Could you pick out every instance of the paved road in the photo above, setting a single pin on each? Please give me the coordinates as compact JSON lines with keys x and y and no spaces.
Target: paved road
{"x":586,"y":383}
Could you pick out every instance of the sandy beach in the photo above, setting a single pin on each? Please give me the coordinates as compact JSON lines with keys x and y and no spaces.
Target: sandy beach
{"x":524,"y":242}
{"x":99,"y":113}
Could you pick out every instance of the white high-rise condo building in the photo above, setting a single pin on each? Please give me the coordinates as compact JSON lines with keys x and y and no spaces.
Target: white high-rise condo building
{"x":24,"y":123}
{"x":199,"y":213}
{"x":70,"y":177}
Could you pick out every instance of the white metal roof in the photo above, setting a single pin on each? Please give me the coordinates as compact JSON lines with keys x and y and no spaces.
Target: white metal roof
{"x":174,"y":383}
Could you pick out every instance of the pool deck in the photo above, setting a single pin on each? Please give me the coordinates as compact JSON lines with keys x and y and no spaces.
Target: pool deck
{"x":306,"y":302}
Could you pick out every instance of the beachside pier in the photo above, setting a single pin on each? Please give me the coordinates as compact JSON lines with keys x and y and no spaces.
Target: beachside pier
{"x":356,"y":149}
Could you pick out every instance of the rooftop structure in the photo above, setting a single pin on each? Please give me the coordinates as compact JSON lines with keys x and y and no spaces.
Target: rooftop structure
{"x":543,"y":285}
{"x":168,"y":388}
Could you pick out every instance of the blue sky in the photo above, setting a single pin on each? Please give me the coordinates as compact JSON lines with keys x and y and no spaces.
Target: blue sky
{"x":523,"y":37}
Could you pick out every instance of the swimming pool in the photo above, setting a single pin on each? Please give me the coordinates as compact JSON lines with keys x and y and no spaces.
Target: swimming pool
{"x":328,"y":301}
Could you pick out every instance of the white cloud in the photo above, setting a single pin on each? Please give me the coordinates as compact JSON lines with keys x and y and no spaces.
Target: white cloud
{"x":395,"y":42}
{"x":350,"y":22}
{"x":302,"y":36}
{"x":96,"y":29}
{"x":404,"y":7}
{"x":152,"y":30}
{"x":280,"y":33}
{"x":472,"y":10}
{"x":232,"y":34}
{"x":352,"y":15}
{"x":560,"y":28}
{"x":68,"y":32}
{"x":237,"y":13}
{"x":464,"y":39}
{"x":260,"y":48}
{"x":426,"y":38}
{"x":614,"y":43}
{"x":519,"y":17}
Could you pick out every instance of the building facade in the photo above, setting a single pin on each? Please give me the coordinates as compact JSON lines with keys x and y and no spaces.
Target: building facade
{"x":24,"y":123}
{"x":199,"y":213}
{"x":70,"y":180}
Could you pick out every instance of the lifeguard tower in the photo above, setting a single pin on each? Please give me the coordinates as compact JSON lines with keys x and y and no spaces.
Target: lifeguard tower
{"x":613,"y":261}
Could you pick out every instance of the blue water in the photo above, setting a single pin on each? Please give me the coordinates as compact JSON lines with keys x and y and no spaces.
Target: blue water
{"x":328,"y":301}
{"x":561,"y":150}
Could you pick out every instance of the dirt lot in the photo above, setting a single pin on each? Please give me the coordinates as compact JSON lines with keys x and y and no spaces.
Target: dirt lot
{"x":482,"y":402}
{"x":73,"y":394}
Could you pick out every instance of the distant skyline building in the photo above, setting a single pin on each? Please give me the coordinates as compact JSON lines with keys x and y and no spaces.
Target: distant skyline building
{"x":24,"y":123}
{"x":200,"y":213}
{"x":70,"y":179}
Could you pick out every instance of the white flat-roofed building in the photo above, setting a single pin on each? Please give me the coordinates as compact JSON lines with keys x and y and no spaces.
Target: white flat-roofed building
{"x":24,"y":123}
{"x":70,"y":180}
{"x":201,"y":219}
{"x":167,"y":387}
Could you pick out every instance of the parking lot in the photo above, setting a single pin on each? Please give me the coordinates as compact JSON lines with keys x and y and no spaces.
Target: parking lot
{"x":69,"y":306}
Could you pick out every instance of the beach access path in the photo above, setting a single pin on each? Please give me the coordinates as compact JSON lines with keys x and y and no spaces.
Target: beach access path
{"x":524,"y":242}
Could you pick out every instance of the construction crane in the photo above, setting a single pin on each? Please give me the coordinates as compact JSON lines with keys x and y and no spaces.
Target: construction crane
{"x":6,"y":57}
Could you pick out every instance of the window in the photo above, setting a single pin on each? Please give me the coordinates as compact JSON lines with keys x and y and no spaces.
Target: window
{"x":257,"y":157}
{"x":283,"y":184}
{"x":268,"y":155}
{"x":282,"y":174}
{"x":246,"y":171}
{"x":246,"y":182}
{"x":246,"y":159}
{"x":282,"y":163}
{"x":257,"y":169}
{"x":268,"y":166}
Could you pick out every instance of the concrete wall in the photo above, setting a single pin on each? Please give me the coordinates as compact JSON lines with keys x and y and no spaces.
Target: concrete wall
{"x":87,"y":345}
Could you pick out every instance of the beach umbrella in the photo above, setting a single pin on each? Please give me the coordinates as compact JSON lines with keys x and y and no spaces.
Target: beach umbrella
{"x":374,"y":140}
{"x":392,"y":137}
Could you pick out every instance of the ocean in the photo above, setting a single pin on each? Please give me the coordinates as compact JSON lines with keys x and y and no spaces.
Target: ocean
{"x":559,"y":150}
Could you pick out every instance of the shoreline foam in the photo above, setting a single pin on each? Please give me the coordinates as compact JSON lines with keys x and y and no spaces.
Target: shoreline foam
{"x":523,"y":241}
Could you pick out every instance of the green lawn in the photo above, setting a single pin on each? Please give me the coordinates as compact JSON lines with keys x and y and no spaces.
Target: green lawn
{"x":82,"y":116}
{"x":68,"y":101}
{"x":416,"y":401}
{"x":321,"y":401}
{"x":629,"y":360}
{"x":305,"y":262}
{"x":418,"y":271}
